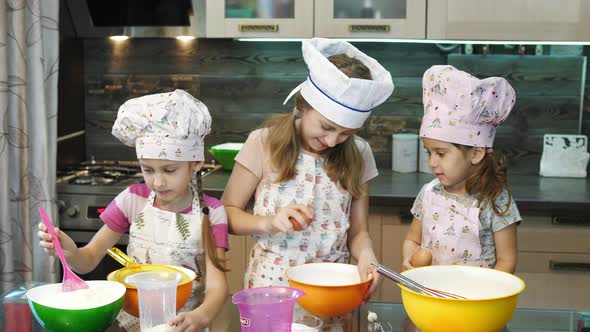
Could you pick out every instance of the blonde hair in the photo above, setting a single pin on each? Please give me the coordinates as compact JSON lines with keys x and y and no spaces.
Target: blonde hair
{"x":487,"y":180}
{"x":206,"y":234}
{"x":344,"y":163}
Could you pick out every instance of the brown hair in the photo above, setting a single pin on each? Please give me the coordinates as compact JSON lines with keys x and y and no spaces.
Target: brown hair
{"x":206,"y":234}
{"x":487,"y":181}
{"x":343,"y":163}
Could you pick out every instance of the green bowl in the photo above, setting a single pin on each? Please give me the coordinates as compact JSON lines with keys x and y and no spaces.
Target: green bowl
{"x":45,"y":302}
{"x":225,"y":154}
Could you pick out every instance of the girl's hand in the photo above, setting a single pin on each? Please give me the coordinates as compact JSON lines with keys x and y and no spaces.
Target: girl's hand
{"x":406,"y":265}
{"x":364,"y":266}
{"x":195,"y":320}
{"x":46,"y":241}
{"x":284,"y":221}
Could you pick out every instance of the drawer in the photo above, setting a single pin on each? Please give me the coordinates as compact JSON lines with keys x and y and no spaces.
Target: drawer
{"x":555,"y":291}
{"x":544,"y":236}
{"x":549,"y":262}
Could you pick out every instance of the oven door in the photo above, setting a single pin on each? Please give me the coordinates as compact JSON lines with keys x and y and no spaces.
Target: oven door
{"x":78,"y":217}
{"x":107,"y":264}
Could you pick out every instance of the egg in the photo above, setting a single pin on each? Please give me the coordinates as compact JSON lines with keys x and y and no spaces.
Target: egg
{"x":422,"y":257}
{"x":296,"y":225}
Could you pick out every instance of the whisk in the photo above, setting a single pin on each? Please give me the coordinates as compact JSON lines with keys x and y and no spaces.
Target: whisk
{"x":411,"y":284}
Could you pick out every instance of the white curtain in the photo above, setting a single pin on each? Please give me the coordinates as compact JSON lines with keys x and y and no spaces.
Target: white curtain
{"x":29,"y":57}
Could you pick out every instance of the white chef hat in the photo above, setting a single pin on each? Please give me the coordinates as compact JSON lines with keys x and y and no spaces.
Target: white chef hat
{"x":168,"y":126}
{"x":346,"y":101}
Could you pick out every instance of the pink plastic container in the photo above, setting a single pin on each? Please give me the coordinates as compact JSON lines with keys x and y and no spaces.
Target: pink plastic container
{"x":266,"y":309}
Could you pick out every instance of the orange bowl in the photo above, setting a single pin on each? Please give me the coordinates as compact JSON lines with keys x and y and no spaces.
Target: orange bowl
{"x":333,"y":289}
{"x":131,"y":301}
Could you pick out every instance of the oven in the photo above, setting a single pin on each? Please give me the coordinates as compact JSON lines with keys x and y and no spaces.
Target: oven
{"x":85,"y":190}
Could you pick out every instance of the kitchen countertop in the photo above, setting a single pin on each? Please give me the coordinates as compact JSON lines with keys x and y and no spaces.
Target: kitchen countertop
{"x":562,"y":197}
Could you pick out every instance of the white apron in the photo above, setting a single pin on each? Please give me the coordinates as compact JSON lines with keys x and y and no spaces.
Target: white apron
{"x":162,"y":237}
{"x":323,"y":241}
{"x":450,"y":230}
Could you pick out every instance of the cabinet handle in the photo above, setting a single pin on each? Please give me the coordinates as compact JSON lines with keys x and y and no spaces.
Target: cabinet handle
{"x":258,"y":27}
{"x":569,"y":266}
{"x":576,"y":221}
{"x":368,"y":28}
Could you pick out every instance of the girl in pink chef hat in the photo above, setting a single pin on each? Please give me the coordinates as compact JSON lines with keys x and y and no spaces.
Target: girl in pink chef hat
{"x":466,"y":215}
{"x":166,"y":217}
{"x":309,"y":166}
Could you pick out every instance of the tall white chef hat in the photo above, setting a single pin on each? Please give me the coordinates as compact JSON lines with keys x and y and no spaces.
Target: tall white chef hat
{"x":346,"y":101}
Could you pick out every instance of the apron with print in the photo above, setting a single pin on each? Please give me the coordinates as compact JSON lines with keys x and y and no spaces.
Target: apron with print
{"x":162,"y":237}
{"x":450,"y":230}
{"x":325,"y":240}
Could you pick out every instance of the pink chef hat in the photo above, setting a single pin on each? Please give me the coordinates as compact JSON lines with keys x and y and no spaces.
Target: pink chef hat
{"x":460,"y":108}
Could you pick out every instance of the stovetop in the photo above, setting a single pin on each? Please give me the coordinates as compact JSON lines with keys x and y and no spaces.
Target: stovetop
{"x":106,"y":176}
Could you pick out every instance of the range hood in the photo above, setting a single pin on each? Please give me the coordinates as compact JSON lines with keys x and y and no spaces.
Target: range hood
{"x":138,"y":18}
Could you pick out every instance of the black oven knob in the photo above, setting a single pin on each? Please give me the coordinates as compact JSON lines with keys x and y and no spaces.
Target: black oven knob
{"x":61,"y":205}
{"x":72,"y":211}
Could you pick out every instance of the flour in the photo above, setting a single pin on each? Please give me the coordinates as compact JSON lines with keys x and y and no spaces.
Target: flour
{"x":98,"y":294}
{"x":158,"y":328}
{"x":302,"y":328}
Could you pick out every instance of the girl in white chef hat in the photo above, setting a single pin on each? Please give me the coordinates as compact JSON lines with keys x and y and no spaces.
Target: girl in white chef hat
{"x":466,"y":215}
{"x":310,"y":171}
{"x":166,"y":217}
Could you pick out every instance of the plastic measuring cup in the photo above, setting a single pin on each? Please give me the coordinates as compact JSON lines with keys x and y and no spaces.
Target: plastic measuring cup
{"x":266,"y":309}
{"x":156,"y":292}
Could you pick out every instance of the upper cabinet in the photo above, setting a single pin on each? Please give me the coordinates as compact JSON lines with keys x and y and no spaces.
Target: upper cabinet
{"x":370,"y":18}
{"x":259,"y":18}
{"x":543,"y":20}
{"x":546,"y":20}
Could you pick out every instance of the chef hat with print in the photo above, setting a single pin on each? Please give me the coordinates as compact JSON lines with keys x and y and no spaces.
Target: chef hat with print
{"x":460,"y":108}
{"x":168,"y":126}
{"x":345,"y":101}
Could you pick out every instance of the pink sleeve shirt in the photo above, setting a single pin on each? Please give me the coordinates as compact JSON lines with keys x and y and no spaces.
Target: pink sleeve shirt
{"x":119,"y":214}
{"x":253,"y":156}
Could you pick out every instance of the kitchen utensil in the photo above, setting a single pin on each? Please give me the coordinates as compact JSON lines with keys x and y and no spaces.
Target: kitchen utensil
{"x":333,"y":289}
{"x":492,"y":296}
{"x":157,"y":298}
{"x":71,"y":281}
{"x":225,"y":154}
{"x":266,"y":309}
{"x":413,"y":285}
{"x":131,"y":303}
{"x":94,"y":313}
{"x":133,"y":267}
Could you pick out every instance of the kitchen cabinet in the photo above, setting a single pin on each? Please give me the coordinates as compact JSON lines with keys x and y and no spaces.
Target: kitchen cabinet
{"x":547,"y":20}
{"x":259,"y":18}
{"x":554,"y":262}
{"x":370,"y":18}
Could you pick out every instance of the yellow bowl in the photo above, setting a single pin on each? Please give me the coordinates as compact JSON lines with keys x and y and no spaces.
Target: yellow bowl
{"x":332,"y":289}
{"x":491,"y":298}
{"x":131,"y":301}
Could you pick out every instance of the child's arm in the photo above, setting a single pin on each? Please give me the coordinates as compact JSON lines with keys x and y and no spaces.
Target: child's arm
{"x":85,"y":259}
{"x":506,"y":249}
{"x":359,"y":242}
{"x":412,"y":243}
{"x":215,"y":296}
{"x":238,"y":191}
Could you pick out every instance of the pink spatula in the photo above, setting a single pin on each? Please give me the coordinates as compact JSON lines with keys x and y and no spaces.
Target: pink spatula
{"x":71,"y":281}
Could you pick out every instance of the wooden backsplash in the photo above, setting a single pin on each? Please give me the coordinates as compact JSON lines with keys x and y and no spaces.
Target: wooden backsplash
{"x":243,"y":83}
